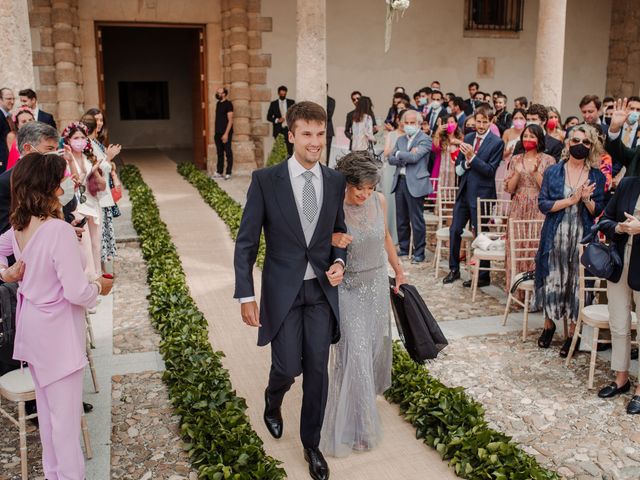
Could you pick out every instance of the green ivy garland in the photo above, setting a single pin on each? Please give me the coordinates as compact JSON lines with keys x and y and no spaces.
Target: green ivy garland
{"x":445,"y":418}
{"x":214,"y":422}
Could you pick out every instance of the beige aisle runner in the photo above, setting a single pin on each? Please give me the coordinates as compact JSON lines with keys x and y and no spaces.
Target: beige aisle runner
{"x":206,"y":251}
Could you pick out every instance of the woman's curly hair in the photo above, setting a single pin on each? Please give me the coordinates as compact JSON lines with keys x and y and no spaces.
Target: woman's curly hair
{"x":359,"y":169}
{"x":34,"y":182}
{"x":595,"y":154}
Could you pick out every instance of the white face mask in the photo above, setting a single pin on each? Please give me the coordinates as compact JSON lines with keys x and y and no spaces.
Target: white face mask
{"x":68,"y":191}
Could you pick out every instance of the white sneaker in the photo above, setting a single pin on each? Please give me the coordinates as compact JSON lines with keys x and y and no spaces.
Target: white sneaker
{"x":227,"y":177}
{"x":217,"y":175}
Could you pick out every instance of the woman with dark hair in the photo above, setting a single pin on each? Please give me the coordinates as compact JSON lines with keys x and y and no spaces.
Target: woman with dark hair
{"x":571,"y":197}
{"x":446,"y":146}
{"x":523,"y":180}
{"x":360,"y":367}
{"x":53,"y":296}
{"x":102,"y":132}
{"x":569,"y":123}
{"x":362,"y":127}
{"x":23,"y":116}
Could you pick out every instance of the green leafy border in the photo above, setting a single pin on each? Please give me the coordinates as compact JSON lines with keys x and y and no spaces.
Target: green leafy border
{"x":214,"y":423}
{"x":445,"y":418}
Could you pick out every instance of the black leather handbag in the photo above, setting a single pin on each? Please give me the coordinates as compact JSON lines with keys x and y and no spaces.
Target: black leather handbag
{"x":600,"y":259}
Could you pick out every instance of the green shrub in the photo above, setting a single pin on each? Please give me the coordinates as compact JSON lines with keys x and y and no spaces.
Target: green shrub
{"x":214,"y":422}
{"x":445,"y":418}
{"x":279,"y":151}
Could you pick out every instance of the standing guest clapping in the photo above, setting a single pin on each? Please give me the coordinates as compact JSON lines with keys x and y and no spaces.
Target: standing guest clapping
{"x":52,"y":299}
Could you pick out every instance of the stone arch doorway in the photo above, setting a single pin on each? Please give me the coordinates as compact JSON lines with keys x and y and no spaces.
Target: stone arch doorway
{"x":152,"y":86}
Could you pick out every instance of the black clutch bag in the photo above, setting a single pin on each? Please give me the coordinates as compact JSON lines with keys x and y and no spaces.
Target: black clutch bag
{"x":599,"y":259}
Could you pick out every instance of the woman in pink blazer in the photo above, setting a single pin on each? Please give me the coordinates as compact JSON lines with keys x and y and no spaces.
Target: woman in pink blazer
{"x":52,"y":298}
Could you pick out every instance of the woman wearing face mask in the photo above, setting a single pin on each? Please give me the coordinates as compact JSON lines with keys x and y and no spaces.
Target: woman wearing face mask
{"x":571,"y":197}
{"x":53,"y":295}
{"x":23,"y":116}
{"x":512,"y":135}
{"x":523,"y":181}
{"x":76,"y":136}
{"x":360,"y":367}
{"x":554,"y":124}
{"x":446,"y":145}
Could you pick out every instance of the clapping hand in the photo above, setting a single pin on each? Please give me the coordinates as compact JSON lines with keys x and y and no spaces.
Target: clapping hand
{"x":467,"y":150}
{"x":631,"y":225}
{"x":620,"y":113}
{"x":576,"y":196}
{"x":113,"y":150}
{"x":341,"y":240}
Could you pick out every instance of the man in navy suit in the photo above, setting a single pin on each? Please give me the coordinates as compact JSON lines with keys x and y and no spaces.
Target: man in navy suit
{"x":299,"y":205}
{"x":29,"y":98}
{"x":277,"y":116}
{"x":476,"y":165}
{"x":411,"y":184}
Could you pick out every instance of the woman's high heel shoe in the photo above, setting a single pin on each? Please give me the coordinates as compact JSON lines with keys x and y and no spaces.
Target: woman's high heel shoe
{"x":547,"y":335}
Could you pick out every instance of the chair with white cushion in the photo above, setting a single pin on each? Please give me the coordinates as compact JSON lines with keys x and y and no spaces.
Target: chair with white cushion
{"x":595,"y":315}
{"x":17,"y":386}
{"x":431,"y":206}
{"x":524,"y":239}
{"x":445,"y":204}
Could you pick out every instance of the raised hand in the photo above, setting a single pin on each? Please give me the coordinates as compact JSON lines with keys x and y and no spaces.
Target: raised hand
{"x":620,"y":113}
{"x":587,"y":191}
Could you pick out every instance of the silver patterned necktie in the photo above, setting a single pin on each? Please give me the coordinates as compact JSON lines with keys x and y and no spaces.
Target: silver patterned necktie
{"x":309,"y":199}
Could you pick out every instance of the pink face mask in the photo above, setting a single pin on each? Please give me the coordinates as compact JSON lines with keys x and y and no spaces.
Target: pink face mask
{"x":78,"y":144}
{"x":451,"y":127}
{"x":519,"y":124}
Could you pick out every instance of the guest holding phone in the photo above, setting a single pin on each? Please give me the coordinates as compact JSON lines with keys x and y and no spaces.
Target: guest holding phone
{"x":52,"y":299}
{"x":621,"y":224}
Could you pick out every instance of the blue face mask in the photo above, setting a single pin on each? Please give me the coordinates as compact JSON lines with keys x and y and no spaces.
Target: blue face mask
{"x":411,"y":130}
{"x":423,"y":101}
{"x":633,"y":117}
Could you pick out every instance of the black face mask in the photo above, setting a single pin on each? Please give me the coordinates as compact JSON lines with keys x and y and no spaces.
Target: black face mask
{"x":579,"y":151}
{"x":282,"y":97}
{"x":218,"y":96}
{"x":468,"y":130}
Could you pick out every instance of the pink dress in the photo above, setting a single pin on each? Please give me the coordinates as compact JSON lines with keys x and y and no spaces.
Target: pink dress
{"x":52,"y":298}
{"x":14,"y":156}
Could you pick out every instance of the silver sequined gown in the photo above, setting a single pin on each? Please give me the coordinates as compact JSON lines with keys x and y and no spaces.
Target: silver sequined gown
{"x":360,"y":364}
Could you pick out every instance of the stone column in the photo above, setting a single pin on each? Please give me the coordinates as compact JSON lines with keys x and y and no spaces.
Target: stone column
{"x":15,"y":54}
{"x":549,"y":65}
{"x":63,"y":13}
{"x":311,"y":51}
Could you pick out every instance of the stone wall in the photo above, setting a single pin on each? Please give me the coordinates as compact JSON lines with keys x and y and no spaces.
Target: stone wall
{"x":623,"y":70}
{"x":15,"y":49}
{"x":245,"y":75}
{"x":57,"y":63}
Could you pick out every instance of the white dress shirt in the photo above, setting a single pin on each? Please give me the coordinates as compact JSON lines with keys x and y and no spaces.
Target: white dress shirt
{"x":283,"y":110}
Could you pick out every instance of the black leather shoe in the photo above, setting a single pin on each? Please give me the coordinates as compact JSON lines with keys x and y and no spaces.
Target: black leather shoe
{"x":612,"y":390}
{"x":451,"y":277}
{"x":272,"y":418}
{"x":564,"y":350}
{"x":546,"y":337}
{"x":318,"y":468}
{"x":481,"y":283}
{"x":87,"y":407}
{"x":634,"y":354}
{"x":633,"y":408}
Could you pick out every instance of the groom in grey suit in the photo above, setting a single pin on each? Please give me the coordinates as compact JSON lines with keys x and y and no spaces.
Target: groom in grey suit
{"x":411,"y":184}
{"x":299,"y":205}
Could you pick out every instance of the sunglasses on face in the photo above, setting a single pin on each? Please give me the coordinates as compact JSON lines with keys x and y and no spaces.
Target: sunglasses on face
{"x":585,"y":141}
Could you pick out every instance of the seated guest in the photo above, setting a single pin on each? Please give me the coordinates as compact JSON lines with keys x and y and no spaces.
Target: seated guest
{"x":411,"y":184}
{"x":620,"y":153}
{"x":23,"y":116}
{"x":621,"y":224}
{"x":523,"y":181}
{"x":479,"y":158}
{"x":53,"y":295}
{"x":571,"y":197}
{"x":28,"y":98}
{"x":538,"y":114}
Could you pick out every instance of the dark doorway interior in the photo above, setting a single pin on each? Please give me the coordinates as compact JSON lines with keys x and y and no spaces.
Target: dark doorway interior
{"x":152,"y":87}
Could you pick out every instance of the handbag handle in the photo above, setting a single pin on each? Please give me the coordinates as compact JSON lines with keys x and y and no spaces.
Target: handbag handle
{"x":592,"y":235}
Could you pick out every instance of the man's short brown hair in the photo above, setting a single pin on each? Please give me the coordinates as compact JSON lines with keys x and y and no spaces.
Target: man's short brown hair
{"x":539,"y":110}
{"x":307,"y":111}
{"x":587,"y":99}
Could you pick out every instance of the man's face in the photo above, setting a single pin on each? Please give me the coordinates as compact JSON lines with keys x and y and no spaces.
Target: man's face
{"x":607,"y":105}
{"x":472,"y":91}
{"x":479,"y":97}
{"x":411,"y":118}
{"x":435,"y":85}
{"x":424,"y":98}
{"x":589,"y":113}
{"x":282,"y":94}
{"x":8,"y":99}
{"x":517,"y":104}
{"x":31,"y":103}
{"x":634,"y":106}
{"x":436,"y":97}
{"x":308,"y":141}
{"x":482,"y":124}
{"x":220,"y":95}
{"x":499,"y":103}
{"x":534,"y":118}
{"x":454,"y":108}
{"x":355,"y":99}
{"x":45,"y":146}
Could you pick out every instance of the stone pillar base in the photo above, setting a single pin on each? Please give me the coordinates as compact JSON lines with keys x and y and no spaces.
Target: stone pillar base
{"x":244,"y":160}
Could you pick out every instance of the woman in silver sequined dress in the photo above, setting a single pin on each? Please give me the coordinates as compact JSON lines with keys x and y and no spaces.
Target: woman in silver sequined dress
{"x":360,"y":365}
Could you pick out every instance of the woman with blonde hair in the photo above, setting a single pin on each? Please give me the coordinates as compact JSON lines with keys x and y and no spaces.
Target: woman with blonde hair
{"x":554,"y":124}
{"x":571,"y":197}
